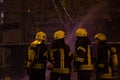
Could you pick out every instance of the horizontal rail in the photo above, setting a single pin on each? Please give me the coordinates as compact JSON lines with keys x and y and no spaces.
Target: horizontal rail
{"x":47,"y":43}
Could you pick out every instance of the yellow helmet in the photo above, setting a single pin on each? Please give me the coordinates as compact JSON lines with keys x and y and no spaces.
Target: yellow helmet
{"x":59,"y":34}
{"x":40,"y":36}
{"x":100,"y":36}
{"x":81,"y":32}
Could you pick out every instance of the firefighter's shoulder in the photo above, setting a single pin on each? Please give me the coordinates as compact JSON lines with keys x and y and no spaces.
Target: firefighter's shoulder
{"x":34,"y":43}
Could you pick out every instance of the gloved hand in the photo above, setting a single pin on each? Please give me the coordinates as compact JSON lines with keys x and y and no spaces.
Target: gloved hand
{"x":50,"y":66}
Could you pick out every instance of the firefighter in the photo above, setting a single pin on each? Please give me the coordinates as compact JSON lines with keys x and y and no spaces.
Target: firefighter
{"x":103,"y":58}
{"x":37,"y":58}
{"x":83,"y":60}
{"x":60,"y":57}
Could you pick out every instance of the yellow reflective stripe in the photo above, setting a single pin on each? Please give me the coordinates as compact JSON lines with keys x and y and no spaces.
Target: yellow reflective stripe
{"x":107,"y":75}
{"x":31,"y":54}
{"x":108,"y":55}
{"x":115,"y":59}
{"x":89,"y":55}
{"x":87,"y":67}
{"x":51,"y":53}
{"x":70,"y":53}
{"x":79,"y":59}
{"x":101,"y":65}
{"x":62,"y":68}
{"x":62,"y":58}
{"x":38,"y":66}
{"x":46,"y":53}
{"x":110,"y":70}
{"x":59,"y":70}
{"x":81,"y":48}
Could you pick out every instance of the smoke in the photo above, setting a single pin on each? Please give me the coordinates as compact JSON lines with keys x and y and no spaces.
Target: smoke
{"x":95,"y":12}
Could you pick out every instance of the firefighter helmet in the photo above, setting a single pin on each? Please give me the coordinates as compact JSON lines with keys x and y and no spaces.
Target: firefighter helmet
{"x":59,"y":34}
{"x":81,"y":32}
{"x":40,"y":36}
{"x":101,"y":37}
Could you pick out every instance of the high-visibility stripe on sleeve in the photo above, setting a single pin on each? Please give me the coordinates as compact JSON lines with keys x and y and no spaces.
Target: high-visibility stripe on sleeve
{"x":81,"y":48}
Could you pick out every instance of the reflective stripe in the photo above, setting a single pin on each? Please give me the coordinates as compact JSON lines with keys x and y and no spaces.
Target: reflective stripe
{"x":51,"y":53}
{"x":46,"y":53}
{"x":107,"y":75}
{"x":81,"y":48}
{"x":101,"y":65}
{"x":70,"y":53}
{"x":62,"y":68}
{"x":59,"y":70}
{"x":62,"y":58}
{"x":89,"y":55}
{"x":79,"y":59}
{"x":87,"y":67}
{"x":115,"y":59}
{"x":108,"y":56}
{"x":39,"y":66}
{"x":110,"y":70}
{"x":31,"y":54}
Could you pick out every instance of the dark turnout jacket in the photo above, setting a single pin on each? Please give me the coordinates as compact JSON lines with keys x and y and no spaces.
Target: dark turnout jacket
{"x":103,"y":60}
{"x":37,"y":56}
{"x":60,"y":56}
{"x":83,"y":59}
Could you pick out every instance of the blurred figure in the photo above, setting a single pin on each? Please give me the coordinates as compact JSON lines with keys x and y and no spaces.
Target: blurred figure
{"x":37,"y":58}
{"x":103,"y":58}
{"x":115,"y":63}
{"x":83,"y":60}
{"x":60,"y":57}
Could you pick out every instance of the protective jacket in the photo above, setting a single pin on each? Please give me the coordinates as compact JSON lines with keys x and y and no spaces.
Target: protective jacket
{"x":83,"y":59}
{"x":60,"y":56}
{"x":103,"y":61}
{"x":37,"y":58}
